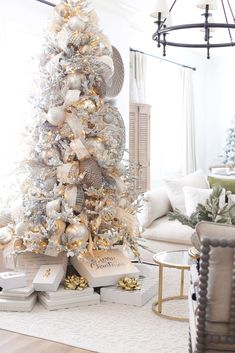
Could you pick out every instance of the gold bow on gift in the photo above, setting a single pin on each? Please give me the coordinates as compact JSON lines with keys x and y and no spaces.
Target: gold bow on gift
{"x":129,"y":284}
{"x":75,"y":282}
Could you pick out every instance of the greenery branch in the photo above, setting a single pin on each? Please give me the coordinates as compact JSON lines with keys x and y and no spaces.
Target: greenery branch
{"x":210,"y":211}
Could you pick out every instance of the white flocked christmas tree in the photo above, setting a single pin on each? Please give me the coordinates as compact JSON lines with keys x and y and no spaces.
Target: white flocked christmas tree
{"x":77,"y":191}
{"x":229,"y":149}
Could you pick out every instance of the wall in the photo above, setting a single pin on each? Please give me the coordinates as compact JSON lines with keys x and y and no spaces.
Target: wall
{"x":141,"y":41}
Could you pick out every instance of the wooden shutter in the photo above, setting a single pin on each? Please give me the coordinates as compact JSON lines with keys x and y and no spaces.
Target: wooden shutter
{"x":139,"y":144}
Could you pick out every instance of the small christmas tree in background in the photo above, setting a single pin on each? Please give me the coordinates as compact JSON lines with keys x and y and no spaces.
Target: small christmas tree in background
{"x":229,"y":149}
{"x":77,"y":193}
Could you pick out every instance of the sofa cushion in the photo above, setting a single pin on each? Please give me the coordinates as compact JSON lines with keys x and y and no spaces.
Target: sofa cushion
{"x":228,"y":183}
{"x":155,"y":205}
{"x":169,"y":231}
{"x":174,"y":188}
{"x":194,"y":196}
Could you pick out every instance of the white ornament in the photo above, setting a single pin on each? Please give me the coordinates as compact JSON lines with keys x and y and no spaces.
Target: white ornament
{"x":52,"y":208}
{"x":56,"y":116}
{"x":21,"y":228}
{"x":5,"y":235}
{"x":72,"y":96}
{"x":75,"y":23}
{"x":95,"y":146}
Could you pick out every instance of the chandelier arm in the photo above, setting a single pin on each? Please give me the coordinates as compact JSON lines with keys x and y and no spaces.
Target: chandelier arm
{"x":197,"y":46}
{"x":230,"y":8}
{"x":226,"y":19}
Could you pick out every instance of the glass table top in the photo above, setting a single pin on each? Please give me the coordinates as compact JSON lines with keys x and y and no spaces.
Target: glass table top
{"x":177,"y":258}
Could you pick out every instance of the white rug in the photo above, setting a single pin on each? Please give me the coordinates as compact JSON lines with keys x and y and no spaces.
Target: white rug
{"x":109,"y":328}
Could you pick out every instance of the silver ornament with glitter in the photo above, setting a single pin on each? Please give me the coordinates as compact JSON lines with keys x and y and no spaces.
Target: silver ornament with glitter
{"x":56,"y":116}
{"x":76,"y":232}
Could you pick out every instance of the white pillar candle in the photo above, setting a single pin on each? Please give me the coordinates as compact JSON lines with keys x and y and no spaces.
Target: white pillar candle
{"x":202,"y":4}
{"x":160,"y":7}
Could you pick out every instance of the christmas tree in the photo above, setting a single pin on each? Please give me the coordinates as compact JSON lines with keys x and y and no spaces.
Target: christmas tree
{"x":77,"y":192}
{"x":229,"y":149}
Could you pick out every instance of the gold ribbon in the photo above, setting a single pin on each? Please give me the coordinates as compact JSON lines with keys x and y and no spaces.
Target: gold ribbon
{"x":129,"y":284}
{"x":75,"y":282}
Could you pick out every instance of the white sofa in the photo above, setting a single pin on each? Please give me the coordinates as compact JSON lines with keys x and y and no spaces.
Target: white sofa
{"x":159,"y":233}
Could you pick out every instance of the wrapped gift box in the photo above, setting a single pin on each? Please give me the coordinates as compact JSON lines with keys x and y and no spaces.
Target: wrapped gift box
{"x":139,"y":297}
{"x":70,"y":301}
{"x":30,"y":263}
{"x":48,"y":278}
{"x":62,"y":293}
{"x":10,"y":280}
{"x":105,"y":268}
{"x":19,"y":293}
{"x":18,"y":304}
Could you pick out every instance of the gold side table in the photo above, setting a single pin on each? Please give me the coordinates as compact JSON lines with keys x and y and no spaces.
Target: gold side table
{"x":178,"y":259}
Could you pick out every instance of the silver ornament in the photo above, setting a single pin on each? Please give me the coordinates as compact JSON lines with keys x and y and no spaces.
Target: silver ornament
{"x":75,"y":23}
{"x":56,"y":116}
{"x":76,"y":232}
{"x":95,"y":146}
{"x":21,"y":228}
{"x":5,"y":235}
{"x":51,"y":157}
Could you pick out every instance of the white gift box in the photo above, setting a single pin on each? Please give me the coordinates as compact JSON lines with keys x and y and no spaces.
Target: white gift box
{"x":18,"y":304}
{"x":19,"y":293}
{"x":69,"y":302}
{"x":11,"y":279}
{"x":62,"y":293}
{"x":105,"y":268}
{"x":48,"y":278}
{"x":139,"y":297}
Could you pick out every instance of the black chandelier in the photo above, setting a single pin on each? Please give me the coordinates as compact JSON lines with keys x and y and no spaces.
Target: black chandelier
{"x":207,"y":25}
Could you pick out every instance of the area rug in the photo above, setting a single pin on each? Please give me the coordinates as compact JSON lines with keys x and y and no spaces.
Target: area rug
{"x":108,"y":327}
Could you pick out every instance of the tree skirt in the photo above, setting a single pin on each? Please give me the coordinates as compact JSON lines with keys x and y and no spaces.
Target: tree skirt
{"x":108,"y":327}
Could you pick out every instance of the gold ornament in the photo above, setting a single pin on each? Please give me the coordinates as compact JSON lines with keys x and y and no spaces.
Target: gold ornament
{"x":18,"y":245}
{"x":75,"y":282}
{"x":93,"y":176}
{"x":6,"y":234}
{"x":129,"y":284}
{"x":86,"y":104}
{"x":56,"y":116}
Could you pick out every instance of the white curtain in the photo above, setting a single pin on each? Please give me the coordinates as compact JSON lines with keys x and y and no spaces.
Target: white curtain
{"x":189,"y":139}
{"x":137,"y":77}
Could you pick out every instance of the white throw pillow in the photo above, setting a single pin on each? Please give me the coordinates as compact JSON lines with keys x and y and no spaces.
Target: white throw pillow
{"x":194,"y":196}
{"x":174,"y":188}
{"x":155,"y":205}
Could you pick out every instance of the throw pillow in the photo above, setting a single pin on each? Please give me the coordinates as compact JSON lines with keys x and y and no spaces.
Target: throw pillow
{"x":175,"y":192}
{"x":228,"y":183}
{"x":194,"y":196}
{"x":156,"y":204}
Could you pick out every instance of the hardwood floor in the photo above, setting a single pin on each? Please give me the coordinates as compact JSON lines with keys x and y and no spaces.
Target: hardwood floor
{"x":11,"y":342}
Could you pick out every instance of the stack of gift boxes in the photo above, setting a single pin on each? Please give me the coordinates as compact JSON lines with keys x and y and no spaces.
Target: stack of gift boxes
{"x":18,"y":294}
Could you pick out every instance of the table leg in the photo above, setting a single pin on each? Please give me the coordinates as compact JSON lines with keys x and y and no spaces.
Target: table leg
{"x":160,"y":285}
{"x":182,"y":283}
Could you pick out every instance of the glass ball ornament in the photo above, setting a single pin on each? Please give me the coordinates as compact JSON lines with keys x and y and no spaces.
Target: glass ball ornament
{"x":56,"y":116}
{"x":6,"y":234}
{"x":87,"y":105}
{"x":75,"y":23}
{"x":77,"y":233}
